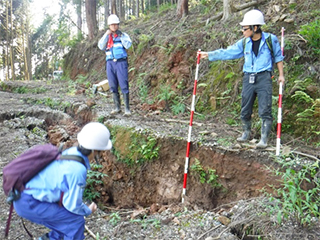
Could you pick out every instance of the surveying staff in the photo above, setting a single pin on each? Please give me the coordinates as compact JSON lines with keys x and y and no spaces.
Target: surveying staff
{"x":258,"y":66}
{"x":53,"y":197}
{"x":115,"y":43}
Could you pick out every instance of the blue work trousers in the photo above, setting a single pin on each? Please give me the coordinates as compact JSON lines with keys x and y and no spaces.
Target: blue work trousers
{"x":262,"y":88}
{"x":63,"y":224}
{"x":117,"y":73}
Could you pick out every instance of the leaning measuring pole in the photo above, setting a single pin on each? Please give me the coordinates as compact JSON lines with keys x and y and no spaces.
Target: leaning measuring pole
{"x":186,"y":166}
{"x":280,"y":101}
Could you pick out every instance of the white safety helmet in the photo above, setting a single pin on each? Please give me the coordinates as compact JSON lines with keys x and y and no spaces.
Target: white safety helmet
{"x":113,"y":19}
{"x":95,"y":136}
{"x":253,"y":17}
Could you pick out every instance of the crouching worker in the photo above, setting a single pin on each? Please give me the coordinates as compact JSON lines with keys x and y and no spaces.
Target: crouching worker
{"x":53,"y":197}
{"x":114,"y":43}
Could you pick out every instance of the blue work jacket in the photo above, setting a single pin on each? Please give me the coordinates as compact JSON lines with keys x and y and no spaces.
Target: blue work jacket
{"x":118,"y":51}
{"x":62,"y":176}
{"x":252,"y":63}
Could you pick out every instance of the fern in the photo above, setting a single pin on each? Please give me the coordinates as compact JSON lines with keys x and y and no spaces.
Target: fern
{"x":301,"y":97}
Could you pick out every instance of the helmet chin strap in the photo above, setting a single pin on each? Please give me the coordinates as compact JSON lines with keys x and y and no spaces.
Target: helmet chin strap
{"x":96,"y":157}
{"x":254,"y":31}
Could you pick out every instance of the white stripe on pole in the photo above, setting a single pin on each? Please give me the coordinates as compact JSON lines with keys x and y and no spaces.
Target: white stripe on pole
{"x":186,"y":166}
{"x":280,"y":102}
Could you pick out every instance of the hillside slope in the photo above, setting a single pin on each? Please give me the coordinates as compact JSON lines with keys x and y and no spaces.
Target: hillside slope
{"x":163,"y":57}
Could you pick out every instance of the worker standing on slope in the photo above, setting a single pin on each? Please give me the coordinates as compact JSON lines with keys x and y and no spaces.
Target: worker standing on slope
{"x":114,"y":43}
{"x":260,"y":51}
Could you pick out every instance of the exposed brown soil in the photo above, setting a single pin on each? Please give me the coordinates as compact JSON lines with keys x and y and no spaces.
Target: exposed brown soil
{"x":241,"y":168}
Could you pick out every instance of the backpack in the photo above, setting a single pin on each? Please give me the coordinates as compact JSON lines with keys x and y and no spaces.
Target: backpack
{"x":23,"y":168}
{"x":268,"y":41}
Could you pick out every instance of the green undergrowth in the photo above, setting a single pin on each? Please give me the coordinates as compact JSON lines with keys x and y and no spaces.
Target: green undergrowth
{"x":205,"y":175}
{"x":134,"y":148}
{"x":51,"y":103}
{"x":22,"y":89}
{"x":297,"y":198}
{"x":94,"y":178}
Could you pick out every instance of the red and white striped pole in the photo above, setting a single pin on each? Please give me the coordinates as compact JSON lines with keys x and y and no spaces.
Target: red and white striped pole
{"x":186,"y":166}
{"x":280,"y":101}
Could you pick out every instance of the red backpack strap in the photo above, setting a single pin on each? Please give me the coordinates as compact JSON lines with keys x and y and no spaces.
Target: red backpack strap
{"x":61,"y":198}
{"x":6,"y":234}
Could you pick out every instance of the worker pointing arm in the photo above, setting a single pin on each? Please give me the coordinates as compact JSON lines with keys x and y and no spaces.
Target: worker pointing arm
{"x":260,"y":51}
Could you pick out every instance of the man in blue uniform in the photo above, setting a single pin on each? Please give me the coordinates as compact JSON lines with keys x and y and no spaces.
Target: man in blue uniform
{"x":53,"y":197}
{"x":115,"y":43}
{"x":260,"y":51}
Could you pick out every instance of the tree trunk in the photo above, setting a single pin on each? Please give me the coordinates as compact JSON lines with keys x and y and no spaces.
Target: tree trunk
{"x":25,"y":49}
{"x":106,"y":12}
{"x":11,"y":46}
{"x":91,"y":17}
{"x":226,"y":10}
{"x":28,"y":50}
{"x":125,"y":9}
{"x":137,"y":8}
{"x":182,"y":8}
{"x":79,"y":17}
{"x":122,"y":9}
{"x":133,"y":7}
{"x":142,"y":6}
{"x":113,"y":7}
{"x":118,"y":4}
{"x":7,"y":42}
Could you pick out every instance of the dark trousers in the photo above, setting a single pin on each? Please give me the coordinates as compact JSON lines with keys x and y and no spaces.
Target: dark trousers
{"x":262,"y":88}
{"x":117,"y":73}
{"x":64,"y":224}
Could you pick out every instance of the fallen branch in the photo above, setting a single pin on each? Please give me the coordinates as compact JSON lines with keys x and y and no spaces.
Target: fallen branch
{"x":199,"y":114}
{"x":233,"y":203}
{"x":236,"y":8}
{"x":295,"y":36}
{"x":181,"y":121}
{"x":90,"y":233}
{"x":180,"y":24}
{"x":293,"y":140}
{"x":219,"y":237}
{"x":154,"y":25}
{"x":257,"y":236}
{"x":214,"y":18}
{"x":306,"y":155}
{"x":209,"y":231}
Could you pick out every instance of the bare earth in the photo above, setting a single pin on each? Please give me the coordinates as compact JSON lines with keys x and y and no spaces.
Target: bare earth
{"x":147,"y":204}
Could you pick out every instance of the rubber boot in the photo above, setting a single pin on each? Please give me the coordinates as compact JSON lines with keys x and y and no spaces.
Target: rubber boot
{"x":246,"y":126}
{"x":127,"y":111}
{"x":265,"y":131}
{"x":116,"y":101}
